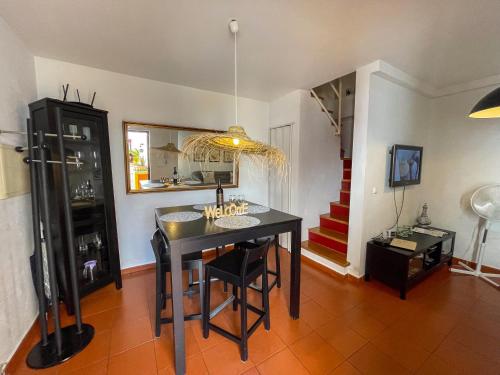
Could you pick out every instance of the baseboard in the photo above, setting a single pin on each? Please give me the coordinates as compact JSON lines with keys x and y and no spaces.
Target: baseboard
{"x":308,"y":258}
{"x":472,"y":264}
{"x":140,"y":268}
{"x":354,"y":279}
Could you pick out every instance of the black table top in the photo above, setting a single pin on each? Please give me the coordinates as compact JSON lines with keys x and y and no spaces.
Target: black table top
{"x":424,"y":241}
{"x":203,"y":228}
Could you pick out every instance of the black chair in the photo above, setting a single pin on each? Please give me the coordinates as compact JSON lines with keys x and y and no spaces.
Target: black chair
{"x":190,"y":262}
{"x":274,"y":241}
{"x":239,"y":268}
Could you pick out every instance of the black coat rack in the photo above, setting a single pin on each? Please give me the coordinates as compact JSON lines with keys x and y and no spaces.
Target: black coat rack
{"x":63,"y":342}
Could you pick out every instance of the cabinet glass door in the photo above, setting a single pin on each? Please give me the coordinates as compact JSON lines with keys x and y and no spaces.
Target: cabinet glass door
{"x":87,"y":199}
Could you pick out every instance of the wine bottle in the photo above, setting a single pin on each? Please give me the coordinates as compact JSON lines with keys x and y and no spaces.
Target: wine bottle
{"x":220,"y":195}
{"x":175,"y":176}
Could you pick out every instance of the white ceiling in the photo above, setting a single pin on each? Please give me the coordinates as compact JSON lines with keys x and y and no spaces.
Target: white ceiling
{"x":283,"y":45}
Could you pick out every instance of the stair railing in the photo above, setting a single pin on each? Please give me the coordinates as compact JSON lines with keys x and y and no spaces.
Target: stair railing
{"x":338,"y":93}
{"x":327,"y":112}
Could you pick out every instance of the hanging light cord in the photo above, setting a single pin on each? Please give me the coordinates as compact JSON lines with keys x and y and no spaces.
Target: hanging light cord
{"x":235,"y":80}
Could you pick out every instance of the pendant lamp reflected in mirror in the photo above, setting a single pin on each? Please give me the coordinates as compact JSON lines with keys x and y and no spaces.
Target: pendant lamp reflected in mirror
{"x":169,"y":147}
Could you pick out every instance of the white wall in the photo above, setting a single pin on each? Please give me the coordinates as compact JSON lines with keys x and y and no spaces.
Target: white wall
{"x":320,"y":171}
{"x":316,"y":165}
{"x":386,"y":114}
{"x":463,"y":155}
{"x":137,"y":99}
{"x":397,"y":115}
{"x":17,"y":297}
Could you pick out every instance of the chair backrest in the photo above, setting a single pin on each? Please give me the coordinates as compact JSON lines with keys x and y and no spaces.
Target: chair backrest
{"x":252,"y":255}
{"x":158,"y":244}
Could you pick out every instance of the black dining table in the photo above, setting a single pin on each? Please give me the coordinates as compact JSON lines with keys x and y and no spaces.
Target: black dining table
{"x":201,"y":234}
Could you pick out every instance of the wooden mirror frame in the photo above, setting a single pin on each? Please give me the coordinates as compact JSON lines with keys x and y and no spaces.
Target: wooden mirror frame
{"x":127,"y":124}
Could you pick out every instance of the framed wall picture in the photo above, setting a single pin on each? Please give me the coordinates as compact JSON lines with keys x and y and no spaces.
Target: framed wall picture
{"x":228,"y":156}
{"x":214,"y":156}
{"x":199,"y":154}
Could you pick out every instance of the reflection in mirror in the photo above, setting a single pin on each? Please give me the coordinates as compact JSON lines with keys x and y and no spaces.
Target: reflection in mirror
{"x":154,"y":161}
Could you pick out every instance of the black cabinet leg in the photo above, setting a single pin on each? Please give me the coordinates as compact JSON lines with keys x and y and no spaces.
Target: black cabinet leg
{"x":402,"y":294}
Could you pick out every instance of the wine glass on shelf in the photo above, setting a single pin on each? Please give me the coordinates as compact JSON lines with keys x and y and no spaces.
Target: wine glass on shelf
{"x":77,"y":193}
{"x":97,"y":241}
{"x":83,"y":247}
{"x":78,"y":159}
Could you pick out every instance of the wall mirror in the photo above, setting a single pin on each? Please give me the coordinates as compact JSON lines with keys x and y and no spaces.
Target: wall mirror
{"x":154,"y":161}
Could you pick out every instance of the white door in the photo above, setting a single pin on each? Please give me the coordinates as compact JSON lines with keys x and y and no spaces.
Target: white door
{"x":279,"y":186}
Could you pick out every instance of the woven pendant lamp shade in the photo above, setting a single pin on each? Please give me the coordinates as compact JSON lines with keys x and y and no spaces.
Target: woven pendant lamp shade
{"x":236,"y":140}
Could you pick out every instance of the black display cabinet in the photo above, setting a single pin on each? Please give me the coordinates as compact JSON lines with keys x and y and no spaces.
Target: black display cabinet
{"x":92,"y":200}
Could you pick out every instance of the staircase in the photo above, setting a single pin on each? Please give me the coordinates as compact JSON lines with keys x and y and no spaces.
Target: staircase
{"x":327,"y":243}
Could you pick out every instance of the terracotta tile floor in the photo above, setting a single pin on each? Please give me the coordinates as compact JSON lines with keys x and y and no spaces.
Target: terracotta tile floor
{"x":450,"y":324}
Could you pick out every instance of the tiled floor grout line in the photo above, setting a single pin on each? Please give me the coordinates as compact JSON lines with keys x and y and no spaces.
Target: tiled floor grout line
{"x":293,"y":353}
{"x":386,"y":311}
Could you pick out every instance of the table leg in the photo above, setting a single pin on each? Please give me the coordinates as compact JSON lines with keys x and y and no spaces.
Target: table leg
{"x":178,"y":310}
{"x":295,"y":272}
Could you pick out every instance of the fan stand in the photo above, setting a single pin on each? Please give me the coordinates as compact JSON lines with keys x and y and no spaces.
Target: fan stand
{"x":479,"y":262}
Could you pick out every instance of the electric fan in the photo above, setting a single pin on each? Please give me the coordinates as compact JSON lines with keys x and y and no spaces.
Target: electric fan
{"x":486,"y":203}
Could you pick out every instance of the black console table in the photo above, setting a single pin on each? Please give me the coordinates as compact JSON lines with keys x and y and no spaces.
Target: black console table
{"x":402,"y":269}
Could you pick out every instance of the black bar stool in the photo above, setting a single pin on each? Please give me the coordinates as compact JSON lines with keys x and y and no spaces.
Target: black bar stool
{"x":190,"y":262}
{"x":274,"y":241}
{"x":239,"y":268}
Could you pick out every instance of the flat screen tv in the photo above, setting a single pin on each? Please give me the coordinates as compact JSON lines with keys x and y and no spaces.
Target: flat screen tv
{"x":406,"y":165}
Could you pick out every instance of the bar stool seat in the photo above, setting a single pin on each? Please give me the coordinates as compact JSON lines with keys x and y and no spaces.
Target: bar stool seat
{"x":240,"y":268}
{"x":230,"y":265}
{"x":190,"y":262}
{"x":273,"y":241}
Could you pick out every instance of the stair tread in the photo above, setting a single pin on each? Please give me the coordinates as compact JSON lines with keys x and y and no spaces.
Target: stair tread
{"x":340,"y":219}
{"x":327,"y":253}
{"x":337,"y":203}
{"x":345,"y":191}
{"x":346,"y":180}
{"x":337,"y":236}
